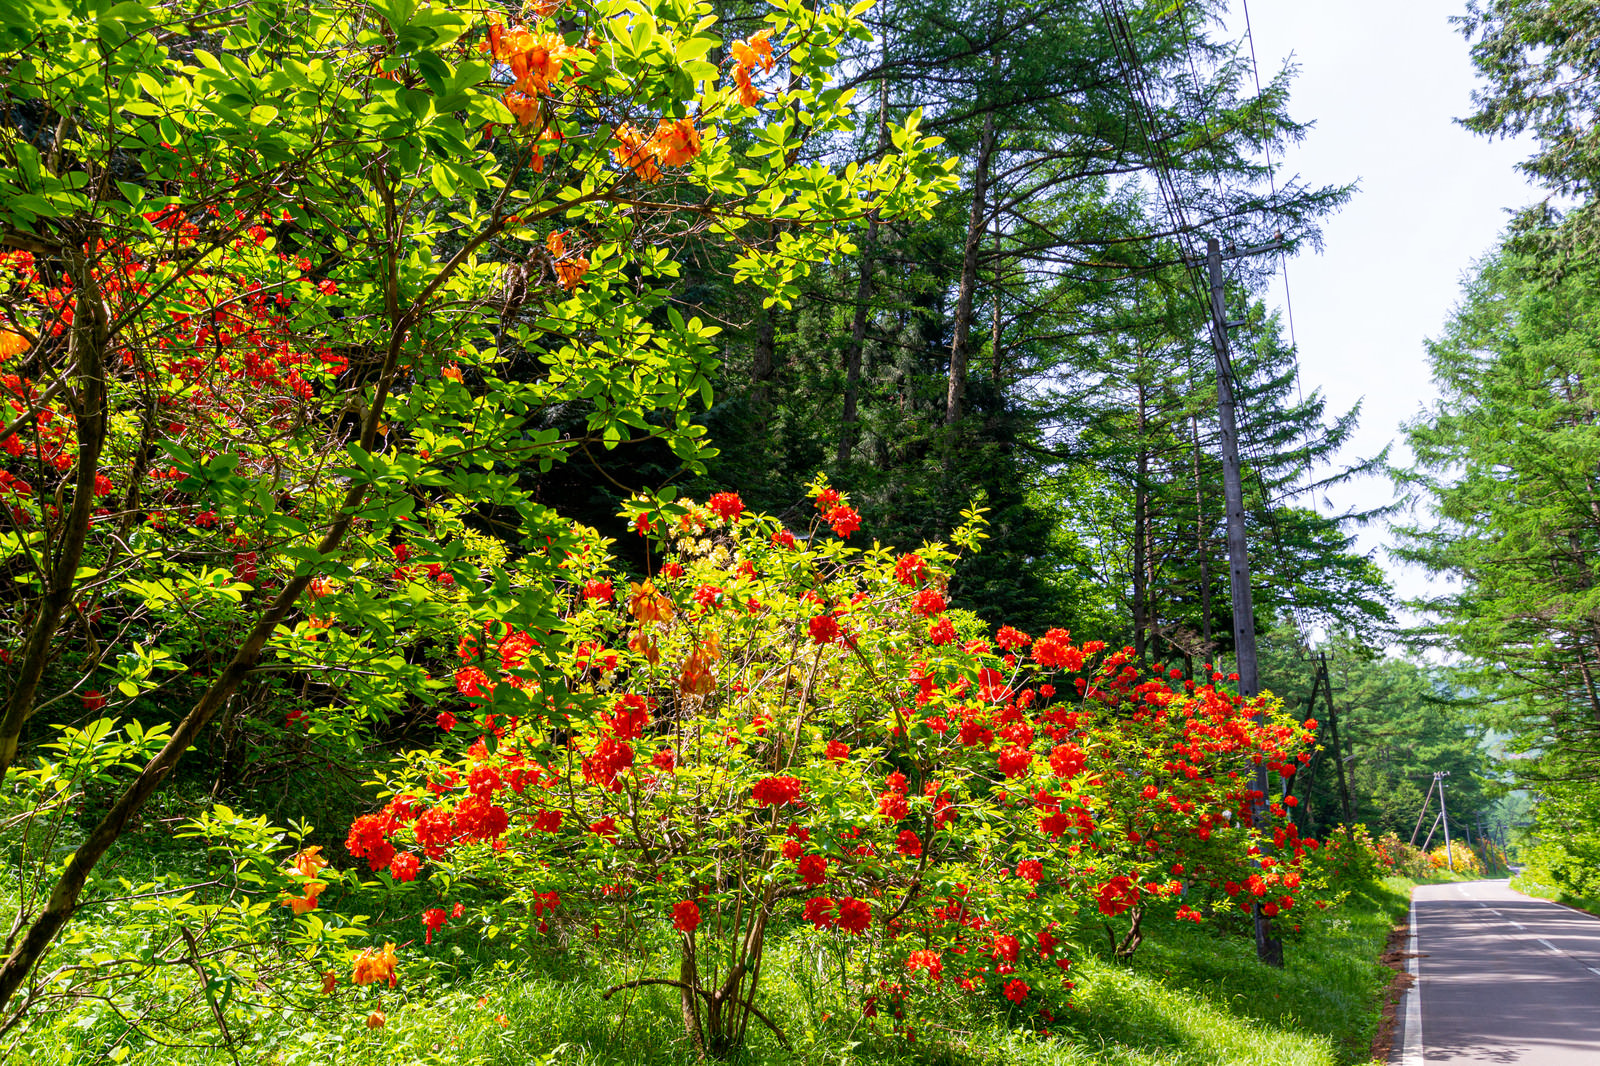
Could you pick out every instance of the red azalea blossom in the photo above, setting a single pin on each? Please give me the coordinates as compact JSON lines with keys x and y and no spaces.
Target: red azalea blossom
{"x":434,"y":918}
{"x":819,"y":911}
{"x":928,"y":603}
{"x":813,"y":869}
{"x":908,"y":844}
{"x":775,"y":791}
{"x":404,"y":867}
{"x":854,"y":915}
{"x":686,"y":916}
{"x":824,"y":629}
{"x":837,"y":751}
{"x":1116,"y":896}
{"x":603,"y":591}
{"x":924,"y":959}
{"x":911,"y":570}
{"x":1015,"y":761}
{"x":1017,"y":991}
{"x":1009,"y":638}
{"x":844,"y":521}
{"x":942,"y":632}
{"x":726,"y":505}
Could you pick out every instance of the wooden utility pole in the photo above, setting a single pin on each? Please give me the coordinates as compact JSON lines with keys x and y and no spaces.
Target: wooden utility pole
{"x":1333,"y":734}
{"x":1269,"y":949}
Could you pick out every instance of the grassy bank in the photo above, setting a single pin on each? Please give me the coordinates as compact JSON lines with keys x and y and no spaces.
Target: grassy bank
{"x":1191,"y":996}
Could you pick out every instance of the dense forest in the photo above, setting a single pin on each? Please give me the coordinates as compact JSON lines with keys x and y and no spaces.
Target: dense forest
{"x":695,"y":497}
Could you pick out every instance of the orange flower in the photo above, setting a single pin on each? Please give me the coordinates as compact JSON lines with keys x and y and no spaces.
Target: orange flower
{"x":12,"y":344}
{"x":676,"y":142}
{"x":536,"y":59}
{"x":570,"y":269}
{"x":523,"y":105}
{"x":543,"y":9}
{"x":308,"y":862}
{"x":749,"y":95}
{"x":554,"y":137}
{"x":330,"y":981}
{"x":755,"y":50}
{"x":372,"y":965}
{"x":308,"y":901}
{"x":375,"y":1020}
{"x":696,"y":678}
{"x":451,"y":372}
{"x":641,"y":644}
{"x":648,"y":605}
{"x":634,"y":152}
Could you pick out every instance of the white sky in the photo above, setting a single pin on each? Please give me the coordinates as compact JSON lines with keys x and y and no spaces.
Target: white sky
{"x":1383,"y":80}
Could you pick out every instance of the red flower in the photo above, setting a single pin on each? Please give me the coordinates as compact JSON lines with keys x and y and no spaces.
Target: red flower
{"x":783,"y":539}
{"x":686,"y":916}
{"x":942,"y":632}
{"x":776,"y":791}
{"x":1067,"y":760}
{"x":447,"y":721}
{"x":1117,"y":895}
{"x":824,"y":629}
{"x":629,"y":717}
{"x":827,"y":499}
{"x":1014,"y":761}
{"x":726,"y":505}
{"x":911,"y":570}
{"x":404,"y":867}
{"x":844,"y":521}
{"x":854,"y":915}
{"x":893,"y":806}
{"x":928,"y":603}
{"x":1031,"y":870}
{"x":908,"y":845}
{"x":93,"y":700}
{"x":837,"y":751}
{"x":813,"y":870}
{"x":603,"y":591}
{"x":605,"y":828}
{"x":434,"y":918}
{"x":1055,"y":649}
{"x":1017,"y":991}
{"x":926,"y":960}
{"x":1009,"y":638}
{"x":665,"y":760}
{"x":820,"y":913}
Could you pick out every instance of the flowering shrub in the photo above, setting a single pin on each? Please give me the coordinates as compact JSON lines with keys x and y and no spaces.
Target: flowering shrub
{"x":354,"y":255}
{"x":776,"y":730}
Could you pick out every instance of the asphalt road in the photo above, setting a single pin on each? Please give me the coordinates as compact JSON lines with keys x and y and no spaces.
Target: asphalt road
{"x":1502,"y":978}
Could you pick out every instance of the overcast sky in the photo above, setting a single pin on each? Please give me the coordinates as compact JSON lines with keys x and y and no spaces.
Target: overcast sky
{"x":1383,"y":81}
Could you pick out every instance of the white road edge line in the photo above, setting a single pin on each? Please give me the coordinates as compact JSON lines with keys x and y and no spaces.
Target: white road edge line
{"x":1411,"y":1047}
{"x":1593,"y":970}
{"x":1553,"y":949}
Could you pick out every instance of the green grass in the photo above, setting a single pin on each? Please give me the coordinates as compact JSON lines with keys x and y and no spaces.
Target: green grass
{"x":1192,"y":996}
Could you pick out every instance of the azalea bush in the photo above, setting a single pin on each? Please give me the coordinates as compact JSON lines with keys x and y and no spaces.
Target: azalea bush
{"x":777,"y":733}
{"x":290,"y":302}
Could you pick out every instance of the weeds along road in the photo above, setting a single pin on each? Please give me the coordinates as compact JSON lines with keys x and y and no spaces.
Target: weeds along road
{"x":1502,"y":978}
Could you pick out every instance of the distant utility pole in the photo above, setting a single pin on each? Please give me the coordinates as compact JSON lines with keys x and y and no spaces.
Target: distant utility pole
{"x":1269,"y":949}
{"x":1333,"y":734}
{"x":1444,"y":813}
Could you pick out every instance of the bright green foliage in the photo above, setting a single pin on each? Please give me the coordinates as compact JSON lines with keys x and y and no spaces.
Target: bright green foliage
{"x":261,"y":329}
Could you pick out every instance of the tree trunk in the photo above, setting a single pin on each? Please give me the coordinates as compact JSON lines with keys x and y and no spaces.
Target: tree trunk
{"x":848,"y":429}
{"x":976,"y":227}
